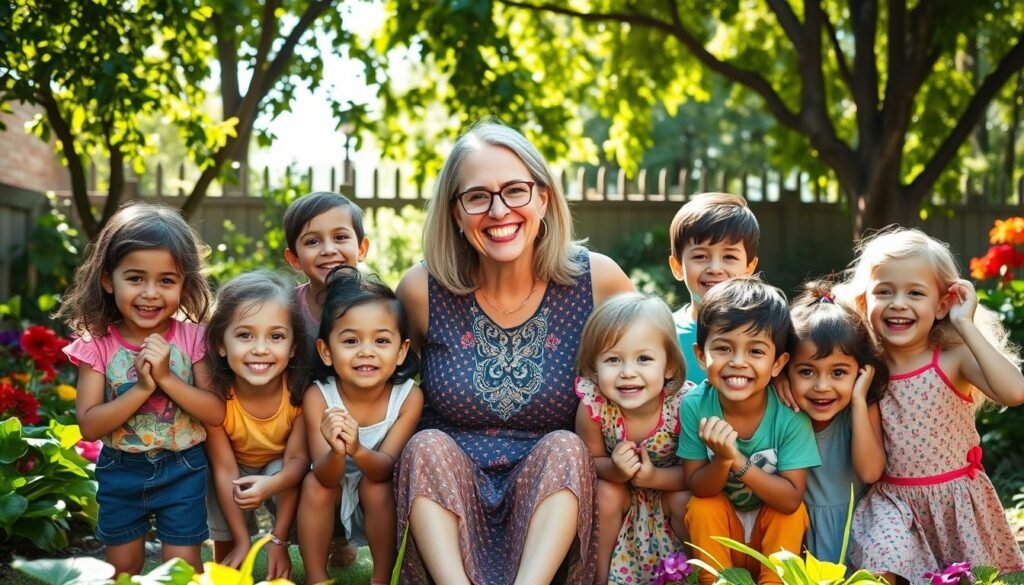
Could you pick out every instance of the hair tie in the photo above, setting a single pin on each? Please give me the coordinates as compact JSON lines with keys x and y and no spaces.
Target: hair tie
{"x":826,"y":298}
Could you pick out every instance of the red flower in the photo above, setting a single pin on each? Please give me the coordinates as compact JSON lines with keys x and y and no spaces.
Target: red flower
{"x":991,"y":264}
{"x":43,"y":345}
{"x":19,"y":403}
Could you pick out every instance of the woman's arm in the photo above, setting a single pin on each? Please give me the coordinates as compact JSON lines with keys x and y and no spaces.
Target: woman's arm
{"x":607,"y":278}
{"x":98,"y":418}
{"x":328,"y":464}
{"x":413,"y":291}
{"x":379,"y":465}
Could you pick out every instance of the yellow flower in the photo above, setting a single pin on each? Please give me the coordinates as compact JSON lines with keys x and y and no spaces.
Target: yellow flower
{"x":66,"y":392}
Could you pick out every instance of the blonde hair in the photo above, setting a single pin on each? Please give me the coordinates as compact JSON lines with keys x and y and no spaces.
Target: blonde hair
{"x":609,"y":321}
{"x":450,"y":258}
{"x":899,"y":243}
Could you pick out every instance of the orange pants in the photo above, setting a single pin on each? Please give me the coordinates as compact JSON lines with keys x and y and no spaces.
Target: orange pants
{"x":773,"y":530}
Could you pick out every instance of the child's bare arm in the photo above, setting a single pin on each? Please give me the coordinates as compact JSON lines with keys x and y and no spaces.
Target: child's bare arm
{"x":980,"y":363}
{"x":328,"y":463}
{"x":866,"y":446}
{"x":98,"y":418}
{"x":589,"y":430}
{"x":379,"y":465}
{"x":203,"y":404}
{"x":784,"y":492}
{"x":224,"y":467}
{"x":253,"y":490}
{"x":706,"y":478}
{"x":668,"y":479}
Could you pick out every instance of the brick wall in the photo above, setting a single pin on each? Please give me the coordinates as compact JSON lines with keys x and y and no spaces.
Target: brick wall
{"x":25,"y":161}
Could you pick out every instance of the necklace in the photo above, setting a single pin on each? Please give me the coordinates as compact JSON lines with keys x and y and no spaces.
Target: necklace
{"x":515,"y":310}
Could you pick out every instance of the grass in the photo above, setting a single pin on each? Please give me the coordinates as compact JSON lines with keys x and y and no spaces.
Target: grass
{"x":358,"y":573}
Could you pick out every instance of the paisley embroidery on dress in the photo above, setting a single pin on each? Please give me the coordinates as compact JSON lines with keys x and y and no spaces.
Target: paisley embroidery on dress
{"x":509,"y":370}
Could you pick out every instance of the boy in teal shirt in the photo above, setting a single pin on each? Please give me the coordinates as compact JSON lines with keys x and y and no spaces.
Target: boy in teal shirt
{"x":714,"y":237}
{"x":744,"y":454}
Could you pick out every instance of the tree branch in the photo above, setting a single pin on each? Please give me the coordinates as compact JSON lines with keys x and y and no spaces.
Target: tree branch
{"x":227,"y":57}
{"x":1012,"y":62}
{"x":841,"y":62}
{"x":676,"y":29}
{"x":864,"y":22}
{"x":790,"y":23}
{"x":79,"y":189}
{"x":116,"y":190}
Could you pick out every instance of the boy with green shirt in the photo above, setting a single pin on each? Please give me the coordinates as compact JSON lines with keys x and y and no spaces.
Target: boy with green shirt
{"x":714,"y":237}
{"x":744,"y":454}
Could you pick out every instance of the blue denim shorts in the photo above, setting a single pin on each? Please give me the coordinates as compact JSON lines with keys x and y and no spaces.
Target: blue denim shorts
{"x":167,"y":485}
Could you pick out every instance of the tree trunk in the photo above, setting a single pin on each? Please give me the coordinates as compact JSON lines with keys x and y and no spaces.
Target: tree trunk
{"x":1007,"y":179}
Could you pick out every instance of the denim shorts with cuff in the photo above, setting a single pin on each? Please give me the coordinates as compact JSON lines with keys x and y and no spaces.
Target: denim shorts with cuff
{"x":167,"y":485}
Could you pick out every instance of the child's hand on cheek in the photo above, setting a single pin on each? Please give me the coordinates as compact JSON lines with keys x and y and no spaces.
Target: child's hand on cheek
{"x":330,"y":428}
{"x":720,"y":437}
{"x":964,"y":301}
{"x":860,"y":386}
{"x":157,"y":352}
{"x":625,"y":458}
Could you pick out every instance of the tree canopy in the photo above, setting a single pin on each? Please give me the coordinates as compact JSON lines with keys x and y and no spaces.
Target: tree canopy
{"x":874,"y":91}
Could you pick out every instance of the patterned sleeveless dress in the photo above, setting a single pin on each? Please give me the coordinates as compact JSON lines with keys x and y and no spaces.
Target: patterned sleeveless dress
{"x":934,"y":505}
{"x":499,"y":404}
{"x":646,"y":535}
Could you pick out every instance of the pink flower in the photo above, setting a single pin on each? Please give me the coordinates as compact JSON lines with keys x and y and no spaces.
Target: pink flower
{"x":551,"y":342}
{"x":467,"y":340}
{"x":672,"y":569}
{"x":89,"y":449}
{"x":954,"y":574}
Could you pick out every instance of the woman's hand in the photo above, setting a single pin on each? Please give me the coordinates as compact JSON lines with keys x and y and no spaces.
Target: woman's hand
{"x":625,"y":458}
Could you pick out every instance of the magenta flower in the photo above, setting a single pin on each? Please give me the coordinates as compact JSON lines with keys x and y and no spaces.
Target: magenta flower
{"x":954,"y":574}
{"x":89,"y":449}
{"x":672,"y":569}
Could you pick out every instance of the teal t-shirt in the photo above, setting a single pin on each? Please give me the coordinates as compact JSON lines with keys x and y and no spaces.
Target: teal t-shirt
{"x":686,"y":332}
{"x":784,"y":440}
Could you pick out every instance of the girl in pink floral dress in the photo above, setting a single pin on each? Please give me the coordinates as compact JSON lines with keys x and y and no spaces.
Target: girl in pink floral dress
{"x":629,"y":420}
{"x":934,"y":504}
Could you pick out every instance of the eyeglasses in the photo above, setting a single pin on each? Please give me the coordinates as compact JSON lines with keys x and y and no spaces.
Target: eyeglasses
{"x":513,"y":195}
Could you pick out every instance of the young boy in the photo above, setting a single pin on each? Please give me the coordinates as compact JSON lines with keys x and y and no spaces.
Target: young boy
{"x":744,"y":454}
{"x":714,"y":238}
{"x":323,"y":230}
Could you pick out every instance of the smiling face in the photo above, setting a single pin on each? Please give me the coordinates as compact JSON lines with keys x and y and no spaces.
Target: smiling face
{"x":147,"y":287}
{"x":365,"y":346}
{"x":903,"y":303}
{"x":500,"y":234}
{"x":705,"y":264}
{"x":822,"y":386}
{"x":257,"y":344}
{"x":326,"y":242}
{"x":632,"y":372}
{"x":739,"y":363}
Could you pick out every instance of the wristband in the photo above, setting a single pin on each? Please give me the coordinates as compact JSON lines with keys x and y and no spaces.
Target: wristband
{"x":278,"y":541}
{"x":742,"y":470}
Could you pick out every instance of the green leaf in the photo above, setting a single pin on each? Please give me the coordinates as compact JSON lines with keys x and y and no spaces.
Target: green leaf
{"x":984,"y":574}
{"x":737,"y":576}
{"x":172,"y":572}
{"x":66,"y":571}
{"x":12,"y":445}
{"x":12,"y":506}
{"x":396,"y":572}
{"x":45,"y":302}
{"x":48,"y":508}
{"x":846,"y":529}
{"x":739,"y":546}
{"x":43,"y":532}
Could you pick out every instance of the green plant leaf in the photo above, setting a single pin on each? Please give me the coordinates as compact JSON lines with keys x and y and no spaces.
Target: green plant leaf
{"x":790,"y":567}
{"x":846,"y":529}
{"x":173,"y":572}
{"x":12,"y":445}
{"x":701,"y":564}
{"x":739,"y":546}
{"x":401,"y":556}
{"x":737,"y":576}
{"x":12,"y":506}
{"x":43,"y":532}
{"x":984,"y":574}
{"x":66,"y":571}
{"x":48,"y":508}
{"x":707,"y":554}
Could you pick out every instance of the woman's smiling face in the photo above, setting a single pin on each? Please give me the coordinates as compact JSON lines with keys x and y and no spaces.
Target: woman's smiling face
{"x":501,"y":234}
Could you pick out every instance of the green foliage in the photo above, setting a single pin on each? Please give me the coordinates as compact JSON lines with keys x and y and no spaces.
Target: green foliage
{"x":44,"y":483}
{"x":395,"y":241}
{"x":645,"y":256}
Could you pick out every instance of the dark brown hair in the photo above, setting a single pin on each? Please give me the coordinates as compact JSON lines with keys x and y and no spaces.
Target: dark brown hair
{"x":305,"y":208}
{"x":714,"y":217}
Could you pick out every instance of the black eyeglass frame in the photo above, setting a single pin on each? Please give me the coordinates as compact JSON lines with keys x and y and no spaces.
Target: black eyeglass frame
{"x":493,"y":194}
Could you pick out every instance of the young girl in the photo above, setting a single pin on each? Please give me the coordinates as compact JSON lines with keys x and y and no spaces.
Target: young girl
{"x":141,"y":381}
{"x":837,"y":376}
{"x":258,"y":355}
{"x":934,"y":505}
{"x":629,"y":390}
{"x":366,"y":407}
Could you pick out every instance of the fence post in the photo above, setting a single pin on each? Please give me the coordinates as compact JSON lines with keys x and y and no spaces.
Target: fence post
{"x":159,"y":180}
{"x":620,"y":183}
{"x":602,"y":181}
{"x":581,"y":181}
{"x":641,"y":183}
{"x":684,"y":178}
{"x":181,"y":180}
{"x":663,"y":183}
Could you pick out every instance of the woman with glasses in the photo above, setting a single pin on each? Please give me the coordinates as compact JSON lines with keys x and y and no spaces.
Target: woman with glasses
{"x":497,"y":490}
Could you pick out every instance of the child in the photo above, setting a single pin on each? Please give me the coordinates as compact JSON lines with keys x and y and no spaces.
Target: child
{"x":324,"y":230}
{"x":934,"y":504}
{"x":837,"y":376}
{"x":257,"y":344}
{"x":366,"y":406}
{"x":630,"y":421}
{"x":745,"y":455}
{"x":141,"y":381}
{"x":714,"y":237}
